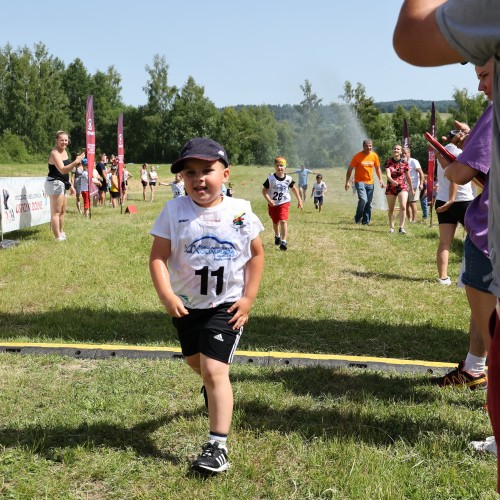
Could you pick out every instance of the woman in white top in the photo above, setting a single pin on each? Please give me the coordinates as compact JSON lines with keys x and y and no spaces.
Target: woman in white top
{"x":153,"y":177}
{"x":452,"y":201}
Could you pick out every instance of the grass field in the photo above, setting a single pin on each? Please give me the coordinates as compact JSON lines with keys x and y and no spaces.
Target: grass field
{"x":73,"y":428}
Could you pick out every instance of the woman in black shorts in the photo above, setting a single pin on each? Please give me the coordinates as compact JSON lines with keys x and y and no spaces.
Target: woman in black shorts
{"x":451,"y":204}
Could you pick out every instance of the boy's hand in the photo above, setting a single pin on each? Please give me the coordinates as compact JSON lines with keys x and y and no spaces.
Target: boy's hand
{"x":242,"y":308}
{"x":175,"y":307}
{"x":300,"y":205}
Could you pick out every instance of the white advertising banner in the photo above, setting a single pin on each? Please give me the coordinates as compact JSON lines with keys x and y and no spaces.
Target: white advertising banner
{"x":24,"y":203}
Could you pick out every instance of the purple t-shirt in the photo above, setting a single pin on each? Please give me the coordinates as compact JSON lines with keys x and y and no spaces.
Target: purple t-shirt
{"x":477,"y":155}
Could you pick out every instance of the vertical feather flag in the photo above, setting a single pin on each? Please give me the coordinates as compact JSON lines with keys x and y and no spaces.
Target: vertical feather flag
{"x":406,"y":135}
{"x":90,"y":144}
{"x":120,"y":157}
{"x":431,"y":159}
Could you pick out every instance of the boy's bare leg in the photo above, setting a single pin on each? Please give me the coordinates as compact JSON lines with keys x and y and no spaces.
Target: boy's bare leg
{"x":284,"y":230}
{"x":215,"y":376}
{"x":220,"y":394}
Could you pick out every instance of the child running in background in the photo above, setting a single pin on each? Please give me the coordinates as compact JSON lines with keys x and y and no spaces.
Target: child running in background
{"x":177,"y":185}
{"x":276,"y":191}
{"x":206,"y":263}
{"x":319,"y":190}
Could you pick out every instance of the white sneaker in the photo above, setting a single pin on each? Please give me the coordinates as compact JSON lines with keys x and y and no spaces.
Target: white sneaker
{"x":391,"y":230}
{"x":445,"y":281}
{"x":60,"y":239}
{"x":402,"y":230}
{"x":489,"y":445}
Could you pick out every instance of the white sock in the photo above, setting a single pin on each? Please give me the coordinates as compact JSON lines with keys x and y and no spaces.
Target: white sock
{"x":474,"y":364}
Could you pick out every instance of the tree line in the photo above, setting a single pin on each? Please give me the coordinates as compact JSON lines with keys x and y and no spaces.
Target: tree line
{"x":39,"y":95}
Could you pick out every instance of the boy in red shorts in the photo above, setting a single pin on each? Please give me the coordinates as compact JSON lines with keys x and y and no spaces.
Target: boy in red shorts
{"x":276,"y":191}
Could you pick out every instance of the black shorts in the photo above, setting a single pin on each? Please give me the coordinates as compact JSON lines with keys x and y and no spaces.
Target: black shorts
{"x":144,"y":183}
{"x":455,"y":214}
{"x":207,"y":331}
{"x":114,"y":194}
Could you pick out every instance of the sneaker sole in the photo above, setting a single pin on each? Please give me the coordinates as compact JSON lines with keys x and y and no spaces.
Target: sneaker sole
{"x":473,"y":385}
{"x":210,"y":470}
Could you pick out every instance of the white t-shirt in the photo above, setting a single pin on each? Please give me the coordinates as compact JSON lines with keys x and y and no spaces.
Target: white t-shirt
{"x":210,"y":247}
{"x":414,"y":165}
{"x":464,"y":193}
{"x":279,"y":190}
{"x":177,"y":189}
{"x":319,"y":189}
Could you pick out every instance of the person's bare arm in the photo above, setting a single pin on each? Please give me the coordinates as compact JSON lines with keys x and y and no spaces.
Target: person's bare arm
{"x":459,"y":173}
{"x":348,"y":178}
{"x":160,"y":252}
{"x":253,"y":274}
{"x":417,"y":38}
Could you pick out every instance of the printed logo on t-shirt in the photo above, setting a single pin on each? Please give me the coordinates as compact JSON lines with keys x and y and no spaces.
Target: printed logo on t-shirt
{"x":239,"y":221}
{"x":211,"y":245}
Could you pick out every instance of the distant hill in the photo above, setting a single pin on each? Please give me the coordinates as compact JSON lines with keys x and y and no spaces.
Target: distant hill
{"x":328,"y":111}
{"x":390,"y":106}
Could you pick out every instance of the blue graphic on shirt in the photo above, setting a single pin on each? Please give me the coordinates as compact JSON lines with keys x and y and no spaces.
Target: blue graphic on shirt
{"x":211,"y":245}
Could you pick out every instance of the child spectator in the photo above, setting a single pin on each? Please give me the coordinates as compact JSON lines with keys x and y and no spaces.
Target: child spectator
{"x":319,"y":189}
{"x":276,"y":191}
{"x":206,"y":263}
{"x":84,"y":187}
{"x":177,"y":185}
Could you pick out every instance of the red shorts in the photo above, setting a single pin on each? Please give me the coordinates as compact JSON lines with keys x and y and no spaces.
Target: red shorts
{"x":278,"y":212}
{"x":86,"y":199}
{"x":493,"y":396}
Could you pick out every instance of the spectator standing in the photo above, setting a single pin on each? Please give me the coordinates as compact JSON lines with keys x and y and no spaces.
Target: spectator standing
{"x":398,"y":183}
{"x":417,"y":181}
{"x":363,"y":164}
{"x":57,"y":183}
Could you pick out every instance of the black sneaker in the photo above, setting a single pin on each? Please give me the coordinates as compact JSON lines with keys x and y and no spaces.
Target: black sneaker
{"x":277,"y":240}
{"x":461,"y":379}
{"x":283,"y":245}
{"x":205,"y":397}
{"x":213,"y":458}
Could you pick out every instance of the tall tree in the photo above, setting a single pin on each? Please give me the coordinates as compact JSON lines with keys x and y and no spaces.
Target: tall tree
{"x":160,"y":97}
{"x":77,"y":84}
{"x":192,"y":115}
{"x":363,"y":107}
{"x":310,"y":133}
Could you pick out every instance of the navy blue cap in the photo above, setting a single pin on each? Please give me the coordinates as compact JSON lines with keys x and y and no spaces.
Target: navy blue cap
{"x":200,"y":148}
{"x":84,"y":161}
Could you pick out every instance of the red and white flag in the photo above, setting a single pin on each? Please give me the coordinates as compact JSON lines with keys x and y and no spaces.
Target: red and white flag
{"x":121,"y":152}
{"x":431,"y":162}
{"x":90,"y":141}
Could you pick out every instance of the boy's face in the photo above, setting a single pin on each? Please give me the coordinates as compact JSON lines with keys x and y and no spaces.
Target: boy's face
{"x":203,"y":181}
{"x":280,"y":169}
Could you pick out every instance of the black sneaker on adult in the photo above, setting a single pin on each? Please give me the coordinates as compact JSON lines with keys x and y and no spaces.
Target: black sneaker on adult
{"x":461,"y":379}
{"x":283,"y":245}
{"x":277,"y":240}
{"x":213,"y":458}
{"x":205,"y":397}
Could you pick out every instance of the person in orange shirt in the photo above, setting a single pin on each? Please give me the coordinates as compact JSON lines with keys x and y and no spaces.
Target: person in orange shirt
{"x":363,"y":164}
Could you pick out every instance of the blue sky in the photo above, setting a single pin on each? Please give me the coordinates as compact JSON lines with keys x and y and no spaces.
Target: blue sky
{"x":254,"y":52}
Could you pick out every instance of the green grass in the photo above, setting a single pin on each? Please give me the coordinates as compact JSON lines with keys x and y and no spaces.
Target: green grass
{"x":127,"y":428}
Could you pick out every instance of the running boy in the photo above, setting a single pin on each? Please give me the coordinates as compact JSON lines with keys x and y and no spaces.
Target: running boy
{"x":276,"y":191}
{"x":319,"y":189}
{"x":206,"y":263}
